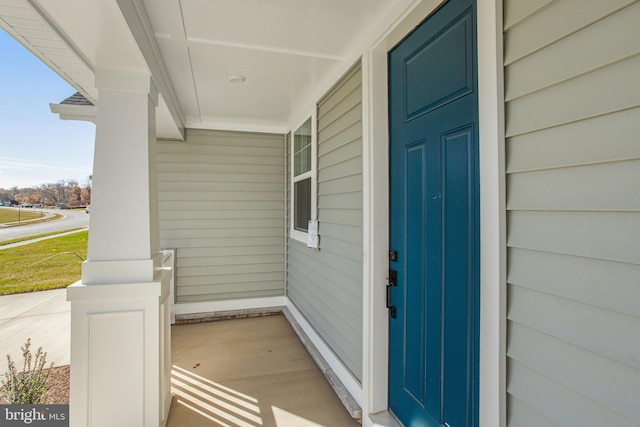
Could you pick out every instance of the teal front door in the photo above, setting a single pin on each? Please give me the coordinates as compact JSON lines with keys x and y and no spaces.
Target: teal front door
{"x":434,"y":231}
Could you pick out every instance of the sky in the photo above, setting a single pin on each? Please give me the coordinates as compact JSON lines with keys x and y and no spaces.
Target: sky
{"x":36,"y":147}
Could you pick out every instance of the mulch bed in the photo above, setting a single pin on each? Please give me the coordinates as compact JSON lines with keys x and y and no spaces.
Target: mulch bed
{"x":58,"y":393}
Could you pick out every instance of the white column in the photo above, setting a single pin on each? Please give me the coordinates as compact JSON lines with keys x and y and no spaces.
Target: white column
{"x":124,"y":217}
{"x":120,"y":336}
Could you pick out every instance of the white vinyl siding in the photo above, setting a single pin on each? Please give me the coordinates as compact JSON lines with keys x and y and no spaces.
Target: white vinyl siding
{"x":326,"y":284}
{"x":573,"y":200}
{"x":221,"y":200}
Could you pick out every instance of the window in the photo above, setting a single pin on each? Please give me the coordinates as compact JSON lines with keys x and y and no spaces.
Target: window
{"x":303,"y":179}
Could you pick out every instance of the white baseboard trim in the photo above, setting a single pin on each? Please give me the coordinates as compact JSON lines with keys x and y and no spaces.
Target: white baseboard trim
{"x":211,"y":308}
{"x":352,"y":386}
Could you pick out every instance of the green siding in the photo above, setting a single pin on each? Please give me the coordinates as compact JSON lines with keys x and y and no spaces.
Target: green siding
{"x":573,"y":168}
{"x":221,"y":199}
{"x":326,"y":285}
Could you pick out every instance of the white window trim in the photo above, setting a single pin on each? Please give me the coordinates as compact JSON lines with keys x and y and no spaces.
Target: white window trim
{"x":313,"y":174}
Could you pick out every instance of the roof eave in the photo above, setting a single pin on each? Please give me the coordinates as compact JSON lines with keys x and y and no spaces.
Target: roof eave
{"x":86,"y":113}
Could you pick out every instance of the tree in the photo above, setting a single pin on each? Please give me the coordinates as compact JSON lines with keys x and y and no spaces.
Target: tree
{"x":50,"y":194}
{"x":68,"y":192}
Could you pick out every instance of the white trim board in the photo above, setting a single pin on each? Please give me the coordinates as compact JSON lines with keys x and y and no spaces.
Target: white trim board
{"x":493,"y":222}
{"x":236,"y":126}
{"x":86,"y":113}
{"x":210,"y":308}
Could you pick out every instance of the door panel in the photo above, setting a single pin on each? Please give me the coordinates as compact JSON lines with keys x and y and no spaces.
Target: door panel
{"x":433,"y":221}
{"x":415,"y":156}
{"x":430,"y":86}
{"x":458,"y":267}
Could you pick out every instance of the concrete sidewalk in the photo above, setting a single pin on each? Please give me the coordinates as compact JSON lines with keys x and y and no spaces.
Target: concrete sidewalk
{"x":42,"y":316}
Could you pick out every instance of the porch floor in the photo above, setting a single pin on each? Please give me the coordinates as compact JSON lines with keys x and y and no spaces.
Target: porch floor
{"x":248,"y":372}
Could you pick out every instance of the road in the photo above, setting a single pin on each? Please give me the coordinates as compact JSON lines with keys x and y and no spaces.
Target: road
{"x":71,"y":219}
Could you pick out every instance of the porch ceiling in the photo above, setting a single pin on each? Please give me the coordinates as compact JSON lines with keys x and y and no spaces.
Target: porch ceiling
{"x":282,"y":47}
{"x":286,"y":49}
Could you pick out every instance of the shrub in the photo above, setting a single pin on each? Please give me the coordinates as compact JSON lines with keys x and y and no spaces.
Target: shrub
{"x":29,"y":386}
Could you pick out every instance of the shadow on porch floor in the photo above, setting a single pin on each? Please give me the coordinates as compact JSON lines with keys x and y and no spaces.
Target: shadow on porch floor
{"x":248,"y":372}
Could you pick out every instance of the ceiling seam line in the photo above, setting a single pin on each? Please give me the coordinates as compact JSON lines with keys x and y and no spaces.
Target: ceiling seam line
{"x":193,"y":79}
{"x":189,"y":42}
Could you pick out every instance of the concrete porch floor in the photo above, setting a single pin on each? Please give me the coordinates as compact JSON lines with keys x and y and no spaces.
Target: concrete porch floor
{"x":248,"y":373}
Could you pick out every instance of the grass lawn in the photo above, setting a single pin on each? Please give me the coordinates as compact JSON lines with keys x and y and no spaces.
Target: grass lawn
{"x":11,"y":215}
{"x":19,"y":274}
{"x":37,"y":236}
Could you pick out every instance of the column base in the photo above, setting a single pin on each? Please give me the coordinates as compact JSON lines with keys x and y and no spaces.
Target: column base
{"x":120,"y":354}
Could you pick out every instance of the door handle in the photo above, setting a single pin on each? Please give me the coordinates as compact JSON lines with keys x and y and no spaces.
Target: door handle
{"x":392,"y":308}
{"x":393,"y":281}
{"x":393,"y":277}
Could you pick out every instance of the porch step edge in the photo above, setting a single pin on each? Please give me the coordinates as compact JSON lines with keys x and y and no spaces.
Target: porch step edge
{"x":341,"y":391}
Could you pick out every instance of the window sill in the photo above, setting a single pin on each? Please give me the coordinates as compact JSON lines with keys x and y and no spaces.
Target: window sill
{"x":300,"y":236}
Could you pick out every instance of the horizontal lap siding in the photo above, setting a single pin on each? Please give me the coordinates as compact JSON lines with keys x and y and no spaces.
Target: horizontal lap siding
{"x":573,"y":201}
{"x":221,"y":199}
{"x":326,"y":285}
